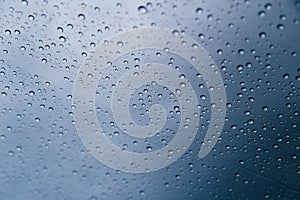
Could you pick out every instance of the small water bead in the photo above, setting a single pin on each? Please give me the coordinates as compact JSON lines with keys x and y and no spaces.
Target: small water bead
{"x":210,"y":17}
{"x":201,"y":36}
{"x":81,"y":16}
{"x":296,"y":21}
{"x":211,"y":88}
{"x":62,"y":39}
{"x":60,"y":29}
{"x":142,"y":9}
{"x":176,"y":33}
{"x":268,"y":6}
{"x":223,"y":68}
{"x":280,"y":26}
{"x":239,"y":67}
{"x":8,"y":32}
{"x":199,"y":10}
{"x":261,"y":13}
{"x":203,"y":97}
{"x":219,"y":51}
{"x":195,"y":46}
{"x":262,"y":35}
{"x":241,"y":51}
{"x":149,"y":5}
{"x":24,"y":2}
{"x":181,"y":76}
{"x":149,"y":148}
{"x":31,"y":17}
{"x":201,"y":86}
{"x":31,"y":93}
{"x":92,"y":44}
{"x":182,"y":84}
{"x":264,"y":108}
{"x":11,"y":153}
{"x":136,"y":73}
{"x":70,"y":26}
{"x":247,"y":112}
{"x":120,"y":43}
{"x":241,"y":162}
{"x":282,"y":17}
{"x":285,"y":76}
{"x":248,"y":64}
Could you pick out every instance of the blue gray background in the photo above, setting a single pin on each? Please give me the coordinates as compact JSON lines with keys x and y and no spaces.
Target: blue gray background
{"x":255,"y":45}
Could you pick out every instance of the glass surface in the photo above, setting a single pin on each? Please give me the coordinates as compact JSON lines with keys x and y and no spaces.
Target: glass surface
{"x":149,"y":99}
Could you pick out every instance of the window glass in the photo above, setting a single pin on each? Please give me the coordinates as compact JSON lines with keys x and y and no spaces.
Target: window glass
{"x":149,"y":99}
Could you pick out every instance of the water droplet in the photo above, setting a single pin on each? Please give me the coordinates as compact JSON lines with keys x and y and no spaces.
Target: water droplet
{"x":199,"y":10}
{"x":241,"y":51}
{"x":62,"y":38}
{"x":24,"y":2}
{"x":282,"y":17}
{"x":142,"y":9}
{"x":261,"y":13}
{"x":8,"y":32}
{"x":285,"y":76}
{"x":219,"y":51}
{"x":268,"y":6}
{"x":120,"y":43}
{"x":31,"y":17}
{"x":262,"y":35}
{"x":280,"y":26}
{"x":70,"y":26}
{"x":247,"y":112}
{"x":176,"y":33}
{"x":81,"y":16}
{"x":201,"y":36}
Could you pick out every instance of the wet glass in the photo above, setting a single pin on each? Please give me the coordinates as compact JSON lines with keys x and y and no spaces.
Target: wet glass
{"x":149,"y":100}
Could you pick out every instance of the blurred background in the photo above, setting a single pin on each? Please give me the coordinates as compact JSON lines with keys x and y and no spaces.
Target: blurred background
{"x":255,"y":45}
